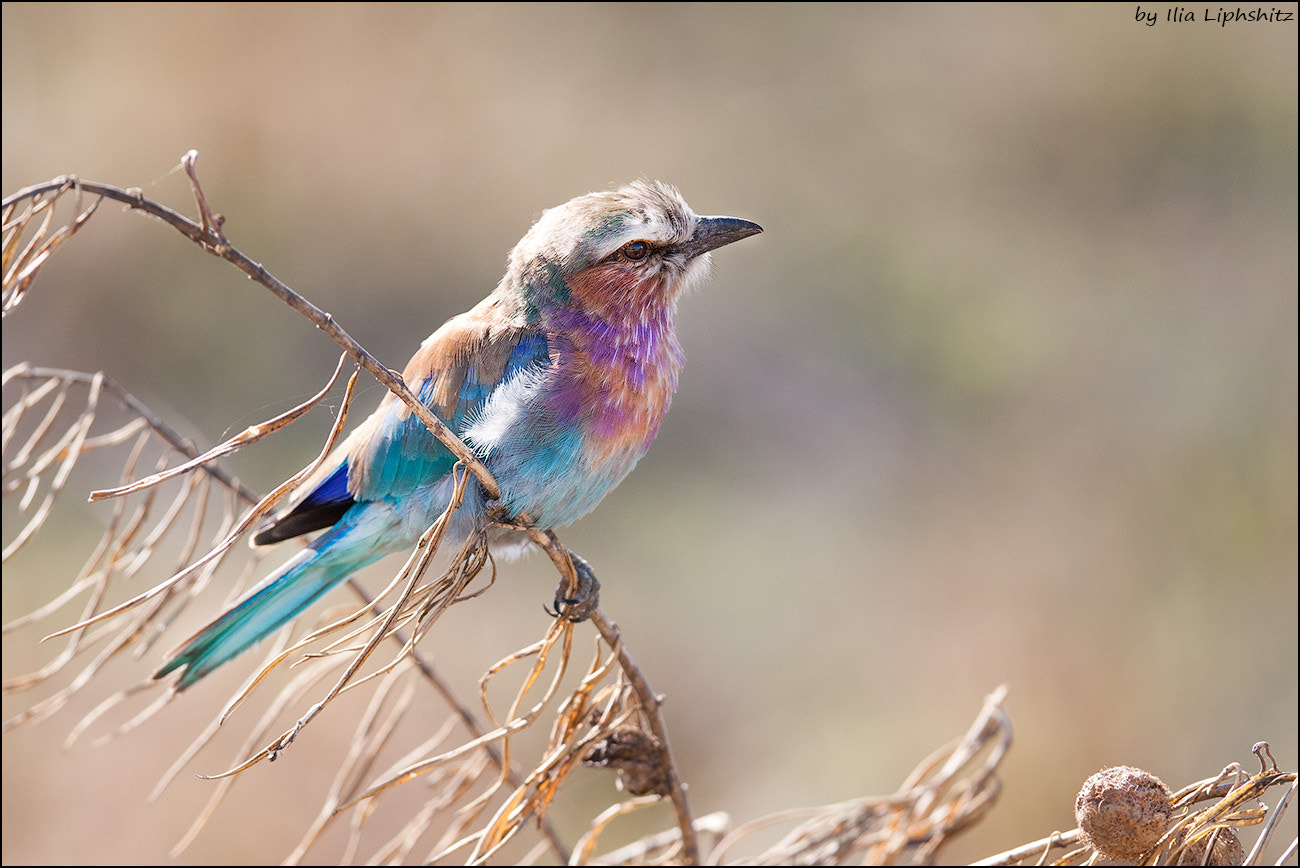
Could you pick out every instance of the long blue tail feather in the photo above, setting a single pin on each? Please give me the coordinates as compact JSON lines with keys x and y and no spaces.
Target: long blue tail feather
{"x":282,"y":596}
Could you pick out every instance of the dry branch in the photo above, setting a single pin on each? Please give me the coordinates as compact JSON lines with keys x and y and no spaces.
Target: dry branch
{"x":476,"y":806}
{"x":29,"y":215}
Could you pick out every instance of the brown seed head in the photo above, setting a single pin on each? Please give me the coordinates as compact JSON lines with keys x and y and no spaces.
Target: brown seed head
{"x":1227,"y":851}
{"x":1123,"y":811}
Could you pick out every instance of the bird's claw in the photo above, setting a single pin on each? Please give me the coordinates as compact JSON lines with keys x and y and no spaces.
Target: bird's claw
{"x":587,"y":598}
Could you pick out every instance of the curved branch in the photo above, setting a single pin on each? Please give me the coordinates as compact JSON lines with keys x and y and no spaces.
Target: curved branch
{"x":210,"y":237}
{"x":650,"y":701}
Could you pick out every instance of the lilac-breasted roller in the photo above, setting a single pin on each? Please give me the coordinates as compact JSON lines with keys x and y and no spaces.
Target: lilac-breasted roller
{"x":558,"y":381}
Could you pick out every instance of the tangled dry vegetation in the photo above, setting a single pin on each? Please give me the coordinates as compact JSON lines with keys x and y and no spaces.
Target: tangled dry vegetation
{"x":487,"y":789}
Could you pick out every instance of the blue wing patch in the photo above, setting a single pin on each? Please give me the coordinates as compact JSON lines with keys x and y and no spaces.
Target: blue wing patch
{"x":322,"y":508}
{"x":400,"y":455}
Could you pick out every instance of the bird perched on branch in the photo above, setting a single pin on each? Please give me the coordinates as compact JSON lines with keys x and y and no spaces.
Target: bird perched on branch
{"x":558,"y":381}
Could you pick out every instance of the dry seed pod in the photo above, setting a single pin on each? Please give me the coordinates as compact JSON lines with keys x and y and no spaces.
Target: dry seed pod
{"x":1123,"y":811}
{"x":1227,"y":851}
{"x":639,"y":758}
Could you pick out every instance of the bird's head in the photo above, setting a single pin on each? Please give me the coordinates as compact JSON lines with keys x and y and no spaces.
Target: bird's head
{"x":627,"y":248}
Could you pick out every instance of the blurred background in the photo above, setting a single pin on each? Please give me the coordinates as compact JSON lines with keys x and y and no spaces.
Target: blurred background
{"x":1005,"y":393}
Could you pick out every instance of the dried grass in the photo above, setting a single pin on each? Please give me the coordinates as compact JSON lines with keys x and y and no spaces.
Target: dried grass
{"x":178,"y":514}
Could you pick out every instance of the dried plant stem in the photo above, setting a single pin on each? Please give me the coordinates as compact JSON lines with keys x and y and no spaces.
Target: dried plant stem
{"x":107,"y":384}
{"x":650,"y":701}
{"x":1036,"y":850}
{"x":208,"y":233}
{"x":211,"y":238}
{"x":471,"y":723}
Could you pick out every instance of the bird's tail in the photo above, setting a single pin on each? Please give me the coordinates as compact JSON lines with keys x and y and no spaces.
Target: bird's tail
{"x":269,"y":606}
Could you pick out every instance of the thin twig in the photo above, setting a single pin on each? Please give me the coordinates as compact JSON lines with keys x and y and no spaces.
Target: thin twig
{"x":650,"y":700}
{"x":168,"y":434}
{"x":209,"y":234}
{"x":212,"y":239}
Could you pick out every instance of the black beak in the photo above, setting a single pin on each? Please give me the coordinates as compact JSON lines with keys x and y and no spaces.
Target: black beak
{"x":713,"y":232}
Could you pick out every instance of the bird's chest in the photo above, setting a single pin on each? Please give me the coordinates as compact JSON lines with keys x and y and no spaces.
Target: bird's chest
{"x":559,"y":439}
{"x":616,"y":396}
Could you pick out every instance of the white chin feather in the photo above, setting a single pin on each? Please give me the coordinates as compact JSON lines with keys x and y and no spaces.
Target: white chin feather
{"x":697,"y":271}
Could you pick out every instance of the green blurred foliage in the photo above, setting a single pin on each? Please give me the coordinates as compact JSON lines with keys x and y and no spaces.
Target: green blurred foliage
{"x":1006,"y":392}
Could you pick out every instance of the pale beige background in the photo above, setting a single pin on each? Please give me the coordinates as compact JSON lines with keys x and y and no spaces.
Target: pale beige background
{"x":1006,"y":392}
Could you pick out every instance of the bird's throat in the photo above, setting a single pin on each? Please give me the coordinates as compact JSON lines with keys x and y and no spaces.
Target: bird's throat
{"x":617,"y":369}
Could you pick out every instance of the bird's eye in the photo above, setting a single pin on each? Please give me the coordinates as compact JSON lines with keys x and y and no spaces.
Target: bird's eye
{"x":635,"y":251}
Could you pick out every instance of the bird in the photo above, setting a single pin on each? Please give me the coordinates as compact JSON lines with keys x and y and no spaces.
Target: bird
{"x":558,"y":381}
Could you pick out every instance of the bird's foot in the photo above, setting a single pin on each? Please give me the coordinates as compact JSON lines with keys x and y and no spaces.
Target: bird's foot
{"x":587,"y":598}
